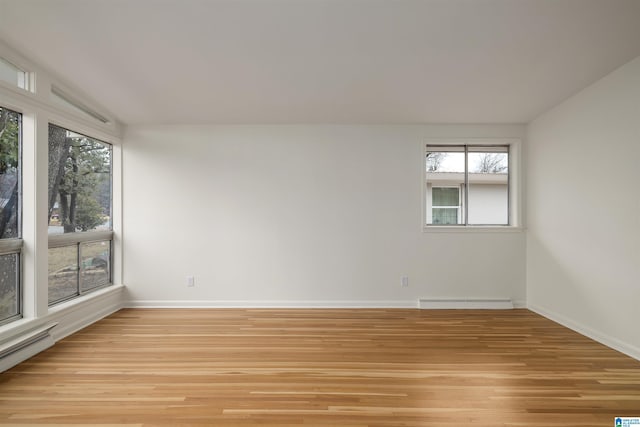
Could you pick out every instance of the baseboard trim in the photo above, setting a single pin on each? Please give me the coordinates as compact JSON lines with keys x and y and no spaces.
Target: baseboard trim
{"x":519,"y":303}
{"x":600,"y":337}
{"x":466,"y":303}
{"x":269,"y":304}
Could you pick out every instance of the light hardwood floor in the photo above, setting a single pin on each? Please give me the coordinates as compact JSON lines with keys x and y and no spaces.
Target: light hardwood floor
{"x":318,"y":367}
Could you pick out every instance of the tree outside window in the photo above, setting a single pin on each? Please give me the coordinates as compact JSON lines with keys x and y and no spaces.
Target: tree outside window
{"x":79,"y":182}
{"x":79,"y":201}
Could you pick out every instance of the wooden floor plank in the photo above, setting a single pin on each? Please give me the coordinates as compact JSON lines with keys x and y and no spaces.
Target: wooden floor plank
{"x":321,"y":367}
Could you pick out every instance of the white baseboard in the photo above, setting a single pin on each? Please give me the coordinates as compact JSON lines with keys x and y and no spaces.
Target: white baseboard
{"x":602,"y":338}
{"x":518,"y":303}
{"x":466,"y":303}
{"x":269,"y":304}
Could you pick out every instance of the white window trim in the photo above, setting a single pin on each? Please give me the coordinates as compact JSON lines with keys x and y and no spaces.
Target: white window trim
{"x":515,"y":186}
{"x":38,"y":110}
{"x":42,"y":84}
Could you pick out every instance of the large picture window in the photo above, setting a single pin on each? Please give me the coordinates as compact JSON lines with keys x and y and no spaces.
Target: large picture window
{"x":10,"y":214}
{"x":79,"y":214}
{"x":467,"y":185}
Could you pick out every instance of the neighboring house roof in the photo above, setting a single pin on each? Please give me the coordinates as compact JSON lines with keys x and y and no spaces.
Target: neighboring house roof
{"x":476,"y":178}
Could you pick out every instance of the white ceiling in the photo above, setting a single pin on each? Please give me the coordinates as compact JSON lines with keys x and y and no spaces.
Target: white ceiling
{"x":326,"y":61}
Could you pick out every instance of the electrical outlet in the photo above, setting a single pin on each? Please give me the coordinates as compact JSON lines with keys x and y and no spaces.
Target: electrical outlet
{"x":191,"y":281}
{"x":404,"y":281}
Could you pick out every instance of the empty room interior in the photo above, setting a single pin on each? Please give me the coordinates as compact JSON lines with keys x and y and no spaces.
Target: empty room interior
{"x":320,"y":212}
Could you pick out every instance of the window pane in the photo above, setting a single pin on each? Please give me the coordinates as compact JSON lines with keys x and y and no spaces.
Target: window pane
{"x":12,"y":74}
{"x":445,"y":216}
{"x":10,"y":122}
{"x":478,"y":177}
{"x":489,"y":186}
{"x":488,"y":162}
{"x":445,"y":196}
{"x":96,"y":260}
{"x":79,"y":182}
{"x":445,"y":162}
{"x":9,"y":286}
{"x":445,"y":168}
{"x":63,"y":273}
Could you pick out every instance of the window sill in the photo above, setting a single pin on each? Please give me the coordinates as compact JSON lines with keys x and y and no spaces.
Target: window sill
{"x":472,"y":229}
{"x":26,"y":324}
{"x":82,"y":299}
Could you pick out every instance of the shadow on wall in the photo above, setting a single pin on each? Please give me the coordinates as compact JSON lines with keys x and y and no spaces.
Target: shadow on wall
{"x":554,"y":288}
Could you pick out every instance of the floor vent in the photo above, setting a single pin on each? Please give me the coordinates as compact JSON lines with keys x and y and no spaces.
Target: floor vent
{"x":466,"y":303}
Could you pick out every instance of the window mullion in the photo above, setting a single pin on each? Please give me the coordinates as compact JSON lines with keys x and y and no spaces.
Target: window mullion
{"x":79,"y":271}
{"x":465,"y":201}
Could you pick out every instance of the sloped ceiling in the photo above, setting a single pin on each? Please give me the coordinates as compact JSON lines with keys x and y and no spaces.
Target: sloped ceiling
{"x":325,"y":61}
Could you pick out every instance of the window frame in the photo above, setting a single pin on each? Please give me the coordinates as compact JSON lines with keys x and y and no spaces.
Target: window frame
{"x":38,"y":109}
{"x":13,"y":245}
{"x":459,"y":207}
{"x":514,"y":185}
{"x":79,"y":237}
{"x":28,"y":76}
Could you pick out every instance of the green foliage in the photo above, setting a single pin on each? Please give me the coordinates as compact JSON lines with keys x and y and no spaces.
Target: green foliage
{"x":88,"y":213}
{"x":86,"y":167}
{"x":9,"y":140}
{"x":9,"y":173}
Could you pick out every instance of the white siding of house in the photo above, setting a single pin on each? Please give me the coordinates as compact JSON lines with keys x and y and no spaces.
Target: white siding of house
{"x":488,"y":204}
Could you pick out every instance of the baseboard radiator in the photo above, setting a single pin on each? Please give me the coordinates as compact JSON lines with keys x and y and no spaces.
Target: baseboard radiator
{"x":466,"y":303}
{"x":25,"y":346}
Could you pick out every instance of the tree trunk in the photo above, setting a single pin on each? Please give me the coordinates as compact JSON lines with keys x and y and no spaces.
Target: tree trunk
{"x":59,"y":146}
{"x":73,"y":195}
{"x":73,"y":200}
{"x":4,"y":118}
{"x":8,"y":213}
{"x":64,"y":213}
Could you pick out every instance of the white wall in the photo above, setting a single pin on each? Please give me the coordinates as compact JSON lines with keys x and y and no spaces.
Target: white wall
{"x":299,"y":215}
{"x":583,"y":244}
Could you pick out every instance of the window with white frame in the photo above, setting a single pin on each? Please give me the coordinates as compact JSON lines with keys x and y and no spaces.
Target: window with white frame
{"x":14,"y":75}
{"x":81,"y":245}
{"x":80,"y":233}
{"x":446,"y":208}
{"x":467,"y":185}
{"x":10,"y":215}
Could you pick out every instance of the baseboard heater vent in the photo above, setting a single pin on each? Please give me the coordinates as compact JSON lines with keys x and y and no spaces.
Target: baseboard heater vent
{"x":40,"y":336}
{"x":466,"y":303}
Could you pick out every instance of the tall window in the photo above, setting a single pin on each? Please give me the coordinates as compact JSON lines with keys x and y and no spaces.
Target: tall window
{"x":10,"y":205}
{"x":79,"y":214}
{"x":467,"y":185}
